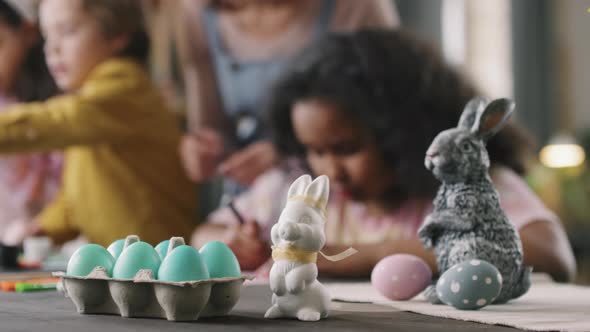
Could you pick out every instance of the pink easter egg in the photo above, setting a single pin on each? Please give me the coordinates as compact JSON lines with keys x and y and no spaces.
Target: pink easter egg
{"x":400,"y":277}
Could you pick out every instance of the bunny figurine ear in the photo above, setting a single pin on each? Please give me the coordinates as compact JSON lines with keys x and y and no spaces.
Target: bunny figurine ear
{"x":297,"y":188}
{"x":319,"y":191}
{"x":493,"y":118}
{"x":474,"y":107}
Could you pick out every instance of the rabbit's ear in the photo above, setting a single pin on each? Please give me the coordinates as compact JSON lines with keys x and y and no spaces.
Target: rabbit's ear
{"x":474,"y":107}
{"x":319,"y":191}
{"x":493,"y":118}
{"x":298,"y":186}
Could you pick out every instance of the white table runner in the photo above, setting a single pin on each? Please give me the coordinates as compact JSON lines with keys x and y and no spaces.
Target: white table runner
{"x":547,"y":306}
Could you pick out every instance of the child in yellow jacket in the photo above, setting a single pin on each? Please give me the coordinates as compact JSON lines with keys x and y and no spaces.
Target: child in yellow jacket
{"x":122,"y":171}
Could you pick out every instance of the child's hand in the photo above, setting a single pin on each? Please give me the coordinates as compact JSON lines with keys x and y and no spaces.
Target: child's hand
{"x":244,"y":240}
{"x":16,"y":232}
{"x":201,"y":154}
{"x":247,"y":164}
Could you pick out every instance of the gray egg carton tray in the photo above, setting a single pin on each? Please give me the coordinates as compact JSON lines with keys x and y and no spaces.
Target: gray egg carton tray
{"x":144,"y":296}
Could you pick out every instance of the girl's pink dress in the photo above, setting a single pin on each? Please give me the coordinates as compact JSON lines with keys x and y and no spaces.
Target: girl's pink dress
{"x":348,"y":222}
{"x":27,"y":183}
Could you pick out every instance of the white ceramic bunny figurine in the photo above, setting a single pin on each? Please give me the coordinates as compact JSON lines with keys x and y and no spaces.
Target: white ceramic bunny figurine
{"x":297,"y":238}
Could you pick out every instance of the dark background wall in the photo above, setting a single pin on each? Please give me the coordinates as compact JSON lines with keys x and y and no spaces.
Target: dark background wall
{"x":531,"y":55}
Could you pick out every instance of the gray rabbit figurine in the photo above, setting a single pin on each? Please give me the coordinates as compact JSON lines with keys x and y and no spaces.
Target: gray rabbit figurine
{"x":467,"y":221}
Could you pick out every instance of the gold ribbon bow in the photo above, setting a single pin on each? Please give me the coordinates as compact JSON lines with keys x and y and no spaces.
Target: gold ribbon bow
{"x":293,"y":254}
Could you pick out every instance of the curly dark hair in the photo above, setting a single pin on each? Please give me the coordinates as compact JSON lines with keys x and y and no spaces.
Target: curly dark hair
{"x":396,"y":86}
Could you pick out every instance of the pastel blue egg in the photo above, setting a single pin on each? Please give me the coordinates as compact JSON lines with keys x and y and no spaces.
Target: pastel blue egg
{"x":87,"y":257}
{"x":162,"y":248}
{"x":183,"y":263}
{"x":220,"y":260}
{"x":137,"y":256}
{"x":470,"y":285}
{"x":116,"y":248}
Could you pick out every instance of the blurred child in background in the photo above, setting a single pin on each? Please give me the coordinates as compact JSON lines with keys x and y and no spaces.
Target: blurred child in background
{"x":363,"y":108}
{"x":27,"y":182}
{"x":233,"y":52}
{"x":122,"y":171}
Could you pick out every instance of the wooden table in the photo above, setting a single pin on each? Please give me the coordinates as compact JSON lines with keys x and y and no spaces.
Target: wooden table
{"x":52,"y":312}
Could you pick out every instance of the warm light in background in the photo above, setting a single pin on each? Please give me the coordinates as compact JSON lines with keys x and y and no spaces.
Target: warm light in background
{"x":562,"y":151}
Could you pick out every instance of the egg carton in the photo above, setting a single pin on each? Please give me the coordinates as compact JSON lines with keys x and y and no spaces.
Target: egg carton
{"x":143,"y":296}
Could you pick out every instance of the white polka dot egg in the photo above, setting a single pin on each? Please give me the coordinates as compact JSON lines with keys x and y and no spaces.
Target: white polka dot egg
{"x":469,"y":285}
